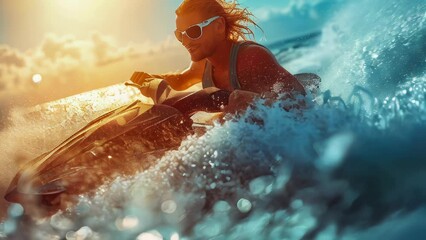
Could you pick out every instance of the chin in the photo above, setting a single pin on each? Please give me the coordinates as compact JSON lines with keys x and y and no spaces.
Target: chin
{"x":196,"y":58}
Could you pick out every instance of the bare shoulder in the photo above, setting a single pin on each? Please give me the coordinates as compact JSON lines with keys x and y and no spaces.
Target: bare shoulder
{"x":258,"y":53}
{"x":258,"y":70}
{"x":254,"y":58}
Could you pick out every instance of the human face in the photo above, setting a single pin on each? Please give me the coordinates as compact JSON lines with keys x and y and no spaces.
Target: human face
{"x":199,"y":47}
{"x":195,"y":31}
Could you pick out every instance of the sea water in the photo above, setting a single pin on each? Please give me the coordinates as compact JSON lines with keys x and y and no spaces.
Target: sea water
{"x":351,"y":165}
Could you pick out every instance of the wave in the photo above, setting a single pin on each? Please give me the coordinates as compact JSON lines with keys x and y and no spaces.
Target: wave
{"x":348,"y":166}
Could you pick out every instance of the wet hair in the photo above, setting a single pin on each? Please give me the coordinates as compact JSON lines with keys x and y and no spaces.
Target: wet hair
{"x":237,"y":19}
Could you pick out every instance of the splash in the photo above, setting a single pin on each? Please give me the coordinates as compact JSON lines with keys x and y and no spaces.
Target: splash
{"x":348,"y":166}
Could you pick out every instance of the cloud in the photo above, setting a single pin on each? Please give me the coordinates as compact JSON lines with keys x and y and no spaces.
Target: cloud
{"x":70,"y":66}
{"x":10,"y":57}
{"x":11,"y":62}
{"x":54,"y":48}
{"x":105,"y":51}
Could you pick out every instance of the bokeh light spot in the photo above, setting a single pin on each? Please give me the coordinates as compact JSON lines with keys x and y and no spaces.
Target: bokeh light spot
{"x":244,"y":205}
{"x":151,"y":235}
{"x":168,"y":206}
{"x":37,"y":78}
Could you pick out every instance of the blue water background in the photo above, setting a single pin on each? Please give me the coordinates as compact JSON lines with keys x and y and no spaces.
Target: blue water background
{"x":350,"y":166}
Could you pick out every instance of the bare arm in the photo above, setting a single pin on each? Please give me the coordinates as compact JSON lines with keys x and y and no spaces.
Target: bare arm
{"x":178,"y":81}
{"x":190,"y":76}
{"x":240,"y":100}
{"x":260,"y":75}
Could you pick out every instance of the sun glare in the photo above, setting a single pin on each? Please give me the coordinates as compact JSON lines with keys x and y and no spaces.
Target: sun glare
{"x":37,"y":78}
{"x":85,"y":8}
{"x":79,"y":17}
{"x":74,"y":4}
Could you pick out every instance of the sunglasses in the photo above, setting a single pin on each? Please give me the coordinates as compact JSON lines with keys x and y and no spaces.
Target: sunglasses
{"x":195,"y":31}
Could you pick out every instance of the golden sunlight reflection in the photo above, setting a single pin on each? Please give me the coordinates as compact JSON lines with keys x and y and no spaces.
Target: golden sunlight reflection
{"x":37,"y":78}
{"x":87,"y":105}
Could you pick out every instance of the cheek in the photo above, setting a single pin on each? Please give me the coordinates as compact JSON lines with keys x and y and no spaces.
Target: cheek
{"x":203,"y":46}
{"x":210,"y":44}
{"x":209,"y":49}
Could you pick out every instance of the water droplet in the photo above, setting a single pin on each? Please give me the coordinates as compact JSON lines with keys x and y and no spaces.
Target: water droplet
{"x":215,"y":154}
{"x":128,"y":222}
{"x":257,"y":186}
{"x":335,"y":150}
{"x":297,"y":204}
{"x":58,"y":221}
{"x":9,"y":226}
{"x":151,"y":235}
{"x":168,"y":206}
{"x":182,"y":169}
{"x":174,"y":236}
{"x":82,"y":208}
{"x":278,"y":158}
{"x":211,"y":164}
{"x":268,"y":189}
{"x":221,"y":206}
{"x":244,"y":205}
{"x":15,"y":210}
{"x":84,"y":233}
{"x":70,"y":235}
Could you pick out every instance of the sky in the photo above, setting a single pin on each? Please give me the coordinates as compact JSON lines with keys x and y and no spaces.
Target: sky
{"x":73,"y":46}
{"x":24,"y":23}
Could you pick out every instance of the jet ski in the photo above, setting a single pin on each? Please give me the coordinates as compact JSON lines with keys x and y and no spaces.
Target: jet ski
{"x":94,"y":155}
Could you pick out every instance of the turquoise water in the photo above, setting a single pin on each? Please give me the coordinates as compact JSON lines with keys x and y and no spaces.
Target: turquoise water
{"x":350,"y":166}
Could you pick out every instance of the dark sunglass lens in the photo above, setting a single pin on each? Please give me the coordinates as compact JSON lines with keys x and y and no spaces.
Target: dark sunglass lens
{"x":194,"y":32}
{"x":178,"y":36}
